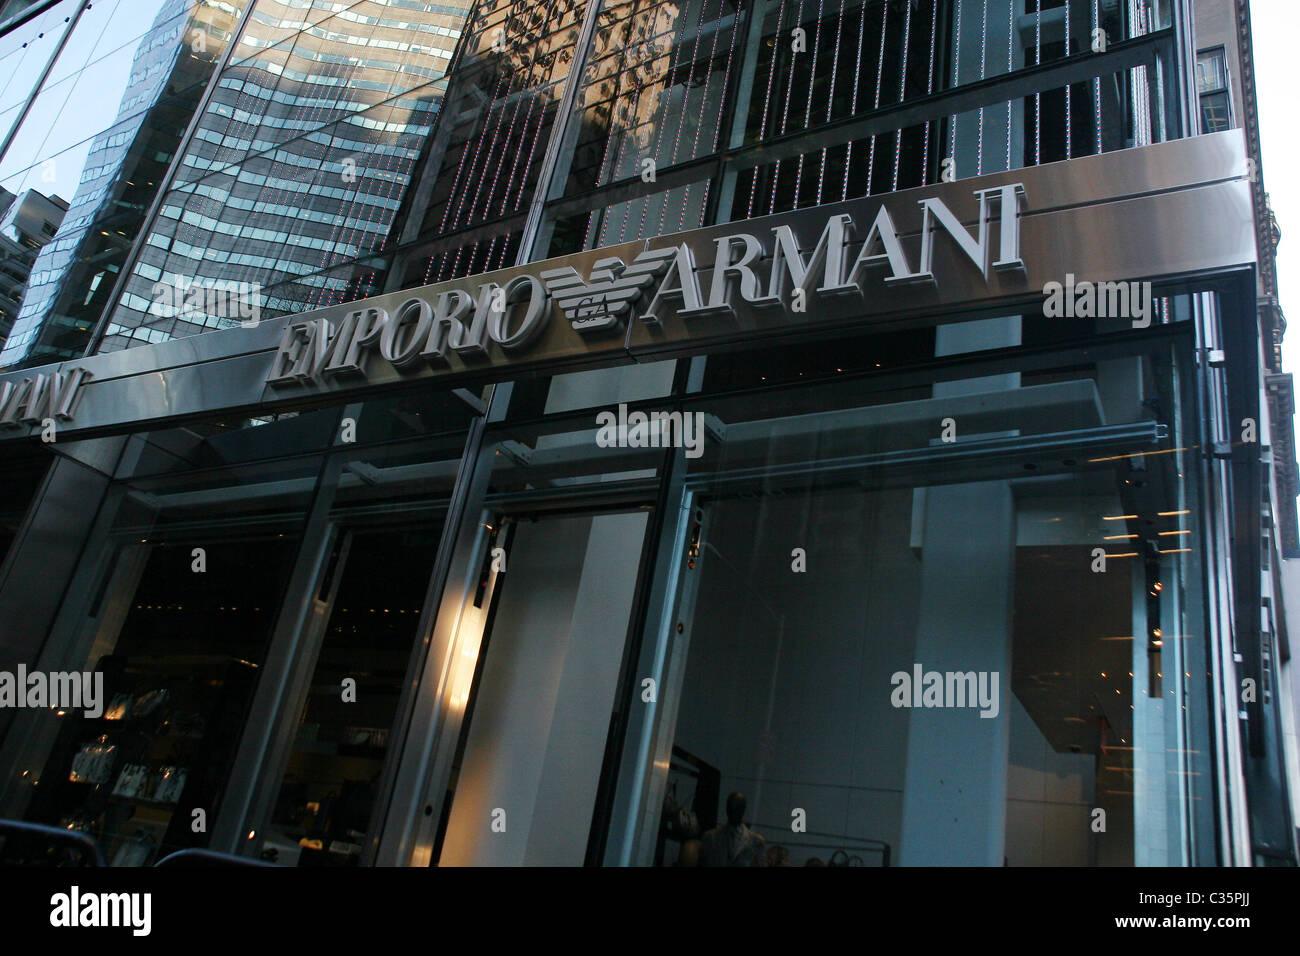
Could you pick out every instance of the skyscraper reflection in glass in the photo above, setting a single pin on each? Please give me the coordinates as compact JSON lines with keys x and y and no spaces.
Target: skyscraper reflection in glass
{"x":298,"y":164}
{"x":151,"y":83}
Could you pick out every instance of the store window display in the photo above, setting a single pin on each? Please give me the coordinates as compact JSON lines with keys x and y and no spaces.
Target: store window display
{"x":145,"y":776}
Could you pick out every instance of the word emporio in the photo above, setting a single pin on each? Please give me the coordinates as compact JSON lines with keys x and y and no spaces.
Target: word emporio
{"x":63,"y":690}
{"x":217,"y":299}
{"x":1098,"y":300}
{"x":946,"y":689}
{"x":74,"y":908}
{"x":655,"y":430}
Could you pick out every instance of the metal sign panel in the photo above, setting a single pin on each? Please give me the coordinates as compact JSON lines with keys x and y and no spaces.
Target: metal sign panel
{"x":926,"y":255}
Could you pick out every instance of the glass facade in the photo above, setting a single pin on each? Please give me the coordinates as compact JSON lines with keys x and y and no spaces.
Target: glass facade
{"x":945,"y":590}
{"x":297,"y":166}
{"x":831,"y":556}
{"x":830,"y":542}
{"x":512,"y":75}
{"x":313,"y":174}
{"x":181,"y":608}
{"x":144,"y":74}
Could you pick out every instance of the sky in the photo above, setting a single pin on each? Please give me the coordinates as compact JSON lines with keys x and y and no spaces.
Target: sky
{"x":1275,"y":24}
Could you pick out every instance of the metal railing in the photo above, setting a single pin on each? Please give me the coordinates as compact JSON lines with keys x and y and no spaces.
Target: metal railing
{"x":850,"y":846}
{"x":25,"y":844}
{"x":37,"y":845}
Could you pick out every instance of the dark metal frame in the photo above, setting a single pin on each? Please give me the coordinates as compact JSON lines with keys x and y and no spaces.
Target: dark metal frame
{"x":1149,"y":50}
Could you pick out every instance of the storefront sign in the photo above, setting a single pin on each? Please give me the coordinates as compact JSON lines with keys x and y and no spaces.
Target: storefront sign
{"x":934,"y":255}
{"x":764,"y":269}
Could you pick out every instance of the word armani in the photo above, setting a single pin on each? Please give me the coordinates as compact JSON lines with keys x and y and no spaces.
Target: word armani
{"x":437,"y":327}
{"x":735,"y":257}
{"x":41,"y":397}
{"x":216,"y":298}
{"x":65,"y":690}
{"x":946,"y":689}
{"x":1099,"y":300}
{"x":74,"y":908}
{"x":656,"y":430}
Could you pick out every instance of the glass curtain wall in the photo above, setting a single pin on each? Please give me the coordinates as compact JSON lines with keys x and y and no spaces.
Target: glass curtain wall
{"x":988,"y":648}
{"x":510,"y":80}
{"x":331,"y":113}
{"x":668,"y":86}
{"x":298,"y":166}
{"x":123,"y":82}
{"x":22,"y":477}
{"x":830,"y":537}
{"x":655,"y":94}
{"x":679,"y":108}
{"x":252,"y":596}
{"x":544,"y":691}
{"x":535,"y":646}
{"x":175,"y":606}
{"x":774,"y":606}
{"x":330,"y":789}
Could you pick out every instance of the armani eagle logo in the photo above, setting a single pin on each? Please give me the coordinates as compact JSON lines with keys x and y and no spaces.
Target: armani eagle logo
{"x":601,"y":302}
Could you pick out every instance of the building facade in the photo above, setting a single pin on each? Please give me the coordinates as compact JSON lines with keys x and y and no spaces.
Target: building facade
{"x":27,"y":223}
{"x":502,"y":431}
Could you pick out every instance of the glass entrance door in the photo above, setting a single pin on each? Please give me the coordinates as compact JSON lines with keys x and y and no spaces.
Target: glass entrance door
{"x":328,"y":800}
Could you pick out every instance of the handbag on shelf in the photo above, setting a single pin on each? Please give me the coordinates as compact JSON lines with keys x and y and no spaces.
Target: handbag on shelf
{"x":679,"y":823}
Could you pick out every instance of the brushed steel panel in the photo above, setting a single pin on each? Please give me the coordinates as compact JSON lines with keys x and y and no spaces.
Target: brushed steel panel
{"x":1152,"y":236}
{"x":1170,"y":210}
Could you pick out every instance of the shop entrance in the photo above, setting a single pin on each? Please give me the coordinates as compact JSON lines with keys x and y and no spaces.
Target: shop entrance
{"x":371,"y":598}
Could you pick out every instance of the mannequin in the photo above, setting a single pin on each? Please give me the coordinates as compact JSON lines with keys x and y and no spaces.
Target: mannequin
{"x":734,"y":844}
